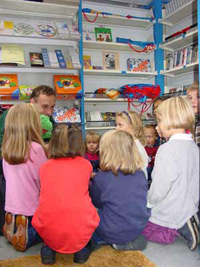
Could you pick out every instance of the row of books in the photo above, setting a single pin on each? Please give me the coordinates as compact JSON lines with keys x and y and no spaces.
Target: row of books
{"x":174,"y":5}
{"x":182,"y":57}
{"x":14,"y":55}
{"x":98,"y":118}
{"x":33,"y":28}
{"x":64,"y":85}
{"x":111,"y":62}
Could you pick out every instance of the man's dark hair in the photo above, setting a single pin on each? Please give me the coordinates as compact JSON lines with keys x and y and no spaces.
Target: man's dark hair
{"x":42,"y":90}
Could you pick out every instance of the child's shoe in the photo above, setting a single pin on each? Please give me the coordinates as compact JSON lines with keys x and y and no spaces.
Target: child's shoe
{"x":8,"y":228}
{"x":20,"y":238}
{"x":82,"y":255}
{"x":138,"y":244}
{"x":188,"y":231}
{"x":48,"y":256}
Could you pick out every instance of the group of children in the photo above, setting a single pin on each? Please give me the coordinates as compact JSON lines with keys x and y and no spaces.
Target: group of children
{"x":55,"y":194}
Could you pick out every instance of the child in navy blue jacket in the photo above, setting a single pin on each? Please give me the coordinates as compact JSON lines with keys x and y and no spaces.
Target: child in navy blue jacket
{"x":119,"y":191}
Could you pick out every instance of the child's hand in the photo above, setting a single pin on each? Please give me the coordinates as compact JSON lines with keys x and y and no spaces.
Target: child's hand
{"x":93,"y":174}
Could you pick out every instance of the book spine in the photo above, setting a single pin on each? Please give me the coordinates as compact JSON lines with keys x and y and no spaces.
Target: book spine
{"x":45,"y":56}
{"x":53,"y":59}
{"x":60,"y":58}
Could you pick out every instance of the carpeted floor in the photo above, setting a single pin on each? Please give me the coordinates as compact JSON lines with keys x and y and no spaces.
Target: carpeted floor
{"x":104,"y":257}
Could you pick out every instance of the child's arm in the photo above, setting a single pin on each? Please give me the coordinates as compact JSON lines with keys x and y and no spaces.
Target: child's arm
{"x":95,"y":193}
{"x":163,"y":175}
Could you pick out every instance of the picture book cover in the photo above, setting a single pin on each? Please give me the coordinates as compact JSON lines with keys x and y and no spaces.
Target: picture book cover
{"x":89,"y":35}
{"x":138,"y":65}
{"x":110,"y":60}
{"x":10,"y":53}
{"x":87,"y":62}
{"x":9,"y":85}
{"x":67,"y":84}
{"x":25,"y":92}
{"x":36,"y":59}
{"x":64,"y":114}
{"x":6,"y":27}
{"x":103,"y":35}
{"x":61,"y":59}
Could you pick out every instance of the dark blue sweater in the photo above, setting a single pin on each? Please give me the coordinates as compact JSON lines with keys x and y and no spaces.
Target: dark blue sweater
{"x":122,"y":204}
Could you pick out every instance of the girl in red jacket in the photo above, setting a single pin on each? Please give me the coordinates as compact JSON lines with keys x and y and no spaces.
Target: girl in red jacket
{"x":65,"y":218}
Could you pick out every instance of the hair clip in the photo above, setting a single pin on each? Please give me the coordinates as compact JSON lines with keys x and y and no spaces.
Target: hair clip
{"x":127,"y":114}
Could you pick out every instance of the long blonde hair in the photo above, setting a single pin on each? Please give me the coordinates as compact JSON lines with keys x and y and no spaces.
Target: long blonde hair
{"x":133,"y":118}
{"x":118,"y":152}
{"x":176,"y":113}
{"x":22,"y":126}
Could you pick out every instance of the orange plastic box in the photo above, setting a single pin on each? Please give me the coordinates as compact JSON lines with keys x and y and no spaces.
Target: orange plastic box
{"x":67,"y":84}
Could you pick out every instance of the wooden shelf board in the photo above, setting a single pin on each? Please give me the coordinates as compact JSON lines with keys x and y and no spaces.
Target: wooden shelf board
{"x":180,"y":70}
{"x":120,"y":73}
{"x":117,"y":20}
{"x":181,"y":41}
{"x":38,"y":41}
{"x":4,"y":69}
{"x":180,"y":14}
{"x":109,"y":46}
{"x":38,"y":9}
{"x":100,"y":128}
{"x":95,"y":99}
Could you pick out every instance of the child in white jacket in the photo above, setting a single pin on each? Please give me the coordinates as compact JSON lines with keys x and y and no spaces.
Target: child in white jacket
{"x":174,"y":193}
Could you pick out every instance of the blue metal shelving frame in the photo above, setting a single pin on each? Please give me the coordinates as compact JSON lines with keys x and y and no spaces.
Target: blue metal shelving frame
{"x":80,"y":27}
{"x":158,"y":37}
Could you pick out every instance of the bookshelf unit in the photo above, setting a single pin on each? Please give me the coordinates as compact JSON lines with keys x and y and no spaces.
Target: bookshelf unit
{"x":52,"y":14}
{"x":141,"y":29}
{"x":182,"y":72}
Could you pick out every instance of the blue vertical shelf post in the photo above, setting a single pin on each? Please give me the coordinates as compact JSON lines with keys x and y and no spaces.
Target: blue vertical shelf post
{"x":198,"y":18}
{"x":80,"y":28}
{"x":158,"y":34}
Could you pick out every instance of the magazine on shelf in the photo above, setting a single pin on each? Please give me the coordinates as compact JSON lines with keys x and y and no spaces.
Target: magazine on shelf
{"x":12,"y":54}
{"x":36,"y":59}
{"x":74,"y":57}
{"x":103,"y":35}
{"x":45,"y":55}
{"x":89,"y":35}
{"x":111,"y":60}
{"x":62,"y":29}
{"x":87,"y":62}
{"x":138,"y":65}
{"x":61,"y":59}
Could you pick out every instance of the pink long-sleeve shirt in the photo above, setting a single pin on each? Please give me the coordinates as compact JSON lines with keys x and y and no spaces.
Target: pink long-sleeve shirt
{"x":23,"y":184}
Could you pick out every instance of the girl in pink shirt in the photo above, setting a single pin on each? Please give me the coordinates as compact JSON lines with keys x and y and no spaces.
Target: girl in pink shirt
{"x":23,"y":153}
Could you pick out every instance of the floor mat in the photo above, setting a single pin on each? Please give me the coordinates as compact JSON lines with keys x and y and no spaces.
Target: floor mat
{"x":104,"y":257}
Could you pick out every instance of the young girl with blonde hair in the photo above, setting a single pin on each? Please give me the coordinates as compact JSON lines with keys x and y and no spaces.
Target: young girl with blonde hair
{"x":65,"y":218}
{"x":119,"y":191}
{"x":23,"y":153}
{"x":174,"y":193}
{"x":130,"y":122}
{"x":92,"y":150}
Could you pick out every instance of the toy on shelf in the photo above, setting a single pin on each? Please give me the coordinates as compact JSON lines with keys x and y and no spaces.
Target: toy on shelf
{"x":106,"y":14}
{"x":65,"y":115}
{"x":67,"y":84}
{"x":144,"y":93}
{"x":9,"y":86}
{"x":137,"y":46}
{"x":25,"y":92}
